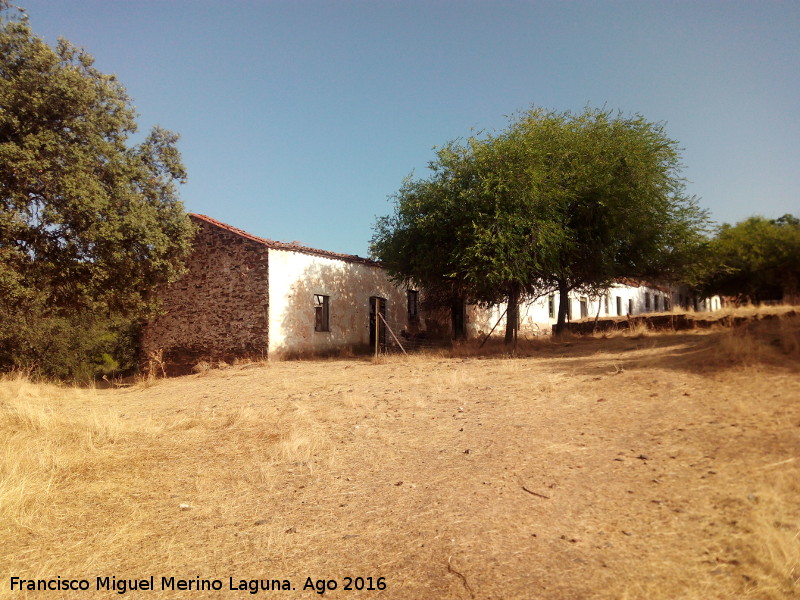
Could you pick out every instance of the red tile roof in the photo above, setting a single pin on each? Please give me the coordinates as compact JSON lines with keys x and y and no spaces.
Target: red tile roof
{"x":284,"y":246}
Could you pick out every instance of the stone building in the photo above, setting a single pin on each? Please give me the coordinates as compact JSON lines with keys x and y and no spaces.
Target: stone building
{"x":246,"y":296}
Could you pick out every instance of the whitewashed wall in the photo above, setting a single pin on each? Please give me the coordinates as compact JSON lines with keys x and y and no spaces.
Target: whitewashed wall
{"x":294,"y":279}
{"x":536,"y":319}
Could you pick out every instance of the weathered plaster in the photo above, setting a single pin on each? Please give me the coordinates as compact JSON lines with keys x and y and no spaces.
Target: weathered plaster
{"x":294,"y":279}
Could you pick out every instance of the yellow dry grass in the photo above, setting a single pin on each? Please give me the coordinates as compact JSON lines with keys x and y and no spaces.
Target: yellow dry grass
{"x":633,"y":466}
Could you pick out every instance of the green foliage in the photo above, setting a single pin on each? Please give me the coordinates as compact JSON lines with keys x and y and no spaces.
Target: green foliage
{"x":757,"y":259}
{"x":70,"y":346}
{"x":89,"y":225}
{"x":556,"y":201}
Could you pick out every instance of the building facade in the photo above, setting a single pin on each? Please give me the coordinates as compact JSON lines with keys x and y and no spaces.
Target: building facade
{"x":246,"y":296}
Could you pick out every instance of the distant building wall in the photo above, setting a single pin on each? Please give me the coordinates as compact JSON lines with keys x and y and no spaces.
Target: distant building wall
{"x":538,"y":316}
{"x":533,"y":319}
{"x":219,"y":308}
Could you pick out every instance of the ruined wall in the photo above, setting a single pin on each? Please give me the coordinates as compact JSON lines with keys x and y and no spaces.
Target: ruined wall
{"x":219,"y":309}
{"x":296,"y":277}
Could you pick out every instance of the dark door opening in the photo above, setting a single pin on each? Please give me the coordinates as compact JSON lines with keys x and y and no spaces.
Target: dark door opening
{"x":379,"y":304}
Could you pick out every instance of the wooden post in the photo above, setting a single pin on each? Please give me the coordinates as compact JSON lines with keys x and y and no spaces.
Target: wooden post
{"x":375,"y":328}
{"x":493,"y":328}
{"x":393,"y":335}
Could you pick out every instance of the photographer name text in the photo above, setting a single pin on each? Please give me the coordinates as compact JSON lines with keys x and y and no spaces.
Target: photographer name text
{"x":123,"y":585}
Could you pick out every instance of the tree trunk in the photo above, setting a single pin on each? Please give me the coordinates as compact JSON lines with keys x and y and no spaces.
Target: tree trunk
{"x":563,"y":299}
{"x":512,"y":315}
{"x":600,"y":301}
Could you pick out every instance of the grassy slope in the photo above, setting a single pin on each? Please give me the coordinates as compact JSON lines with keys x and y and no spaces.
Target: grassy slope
{"x":633,"y":467}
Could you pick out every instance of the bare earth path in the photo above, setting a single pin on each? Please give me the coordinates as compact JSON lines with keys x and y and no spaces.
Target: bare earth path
{"x":620,"y":468}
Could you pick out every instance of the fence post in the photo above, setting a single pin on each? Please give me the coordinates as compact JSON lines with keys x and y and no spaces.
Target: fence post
{"x":376,"y":327}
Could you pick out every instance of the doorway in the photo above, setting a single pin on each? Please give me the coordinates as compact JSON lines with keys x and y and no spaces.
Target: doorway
{"x":377,"y":305}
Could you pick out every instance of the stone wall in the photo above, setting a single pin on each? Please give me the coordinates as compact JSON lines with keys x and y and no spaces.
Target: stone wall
{"x":219,"y":309}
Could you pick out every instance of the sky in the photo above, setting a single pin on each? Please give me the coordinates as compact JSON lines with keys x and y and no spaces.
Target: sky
{"x":300,"y":119}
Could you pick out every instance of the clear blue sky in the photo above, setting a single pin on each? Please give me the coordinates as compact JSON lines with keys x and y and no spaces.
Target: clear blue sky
{"x":299,"y":118}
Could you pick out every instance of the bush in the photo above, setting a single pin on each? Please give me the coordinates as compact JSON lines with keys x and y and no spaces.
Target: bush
{"x":79,"y":347}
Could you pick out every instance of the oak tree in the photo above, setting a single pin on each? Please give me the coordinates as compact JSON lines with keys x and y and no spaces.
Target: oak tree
{"x":89,"y":222}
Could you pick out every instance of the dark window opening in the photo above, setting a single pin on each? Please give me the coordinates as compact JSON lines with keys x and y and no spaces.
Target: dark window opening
{"x":584,"y":302}
{"x":321,"y":313}
{"x":647,"y":302}
{"x":630,"y":306}
{"x":619,"y":306}
{"x":551,"y":306}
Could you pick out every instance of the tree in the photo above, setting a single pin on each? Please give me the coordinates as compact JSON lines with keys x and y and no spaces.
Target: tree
{"x":464,"y":234}
{"x":614,"y":189}
{"x":89,"y":224}
{"x":755,"y":260}
{"x":556,"y":201}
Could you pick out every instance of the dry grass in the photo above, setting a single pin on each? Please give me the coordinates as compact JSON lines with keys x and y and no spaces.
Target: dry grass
{"x":637,"y":466}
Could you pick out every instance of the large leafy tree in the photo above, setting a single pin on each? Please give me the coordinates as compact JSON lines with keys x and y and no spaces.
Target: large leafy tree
{"x":557,"y":201}
{"x":89,"y":223}
{"x":466,"y":233}
{"x":757,"y":259}
{"x":615,"y":191}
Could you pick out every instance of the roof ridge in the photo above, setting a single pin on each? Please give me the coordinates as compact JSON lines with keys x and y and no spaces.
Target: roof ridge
{"x":275,"y":245}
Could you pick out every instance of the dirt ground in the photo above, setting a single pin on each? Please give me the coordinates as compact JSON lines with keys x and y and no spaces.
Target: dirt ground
{"x":639,"y":466}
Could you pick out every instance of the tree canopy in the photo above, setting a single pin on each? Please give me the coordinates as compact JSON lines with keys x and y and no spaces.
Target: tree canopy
{"x":89,"y":223}
{"x":557,"y":201}
{"x":755,"y":260}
